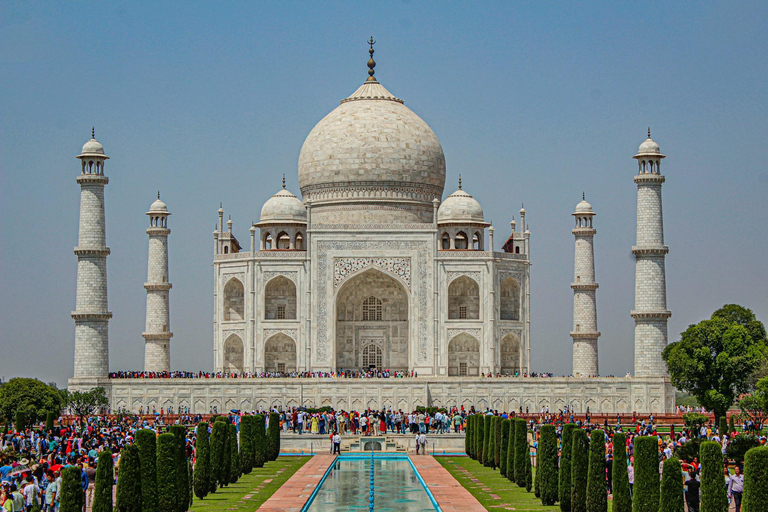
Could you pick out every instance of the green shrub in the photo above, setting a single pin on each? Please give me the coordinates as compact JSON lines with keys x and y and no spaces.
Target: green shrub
{"x":102,"y":493}
{"x":71,"y":490}
{"x":146,"y":441}
{"x":522,"y":460}
{"x":167,"y":481}
{"x":511,"y":451}
{"x":504,"y":446}
{"x":246,"y":444}
{"x":739,"y":446}
{"x":488,"y":448}
{"x":226,"y":471}
{"x":202,"y":470}
{"x":714,"y":497}
{"x":622,"y":499}
{"x":528,"y":475}
{"x":672,"y":487}
{"x":755,"y":480}
{"x":597,"y":499}
{"x":234,"y":454}
{"x":695,"y":420}
{"x":273,"y":436}
{"x":218,"y":441}
{"x":646,"y":490}
{"x":49,"y":419}
{"x":731,"y":423}
{"x":564,"y":487}
{"x":579,"y":470}
{"x":688,"y":450}
{"x":722,"y":426}
{"x":496,"y":441}
{"x":480,"y":443}
{"x":20,"y":424}
{"x":260,"y":442}
{"x":129,"y":480}
{"x":546,"y":469}
{"x":467,"y":438}
{"x":491,"y":459}
{"x":182,"y":472}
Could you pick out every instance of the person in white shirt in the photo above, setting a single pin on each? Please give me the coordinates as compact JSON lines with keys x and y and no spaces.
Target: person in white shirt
{"x":736,"y":487}
{"x":421,"y":443}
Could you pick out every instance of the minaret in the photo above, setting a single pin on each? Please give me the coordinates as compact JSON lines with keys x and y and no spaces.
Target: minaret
{"x":585,"y":333}
{"x":650,"y":311}
{"x":91,"y":313}
{"x":157,"y":335}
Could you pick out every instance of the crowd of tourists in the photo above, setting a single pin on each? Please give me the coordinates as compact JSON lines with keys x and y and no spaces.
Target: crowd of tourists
{"x":338,"y":374}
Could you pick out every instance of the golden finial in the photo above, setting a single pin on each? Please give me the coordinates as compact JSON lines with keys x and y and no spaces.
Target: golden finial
{"x":649,"y":132}
{"x":283,"y":180}
{"x":459,"y":181}
{"x":158,"y":194}
{"x":371,"y":62}
{"x":93,"y":132}
{"x":583,"y":196}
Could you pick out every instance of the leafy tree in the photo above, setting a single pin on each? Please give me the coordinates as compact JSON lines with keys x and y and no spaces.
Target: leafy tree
{"x":672,"y":487}
{"x":745,"y":317}
{"x":528,"y":474}
{"x":521,"y":452}
{"x":260,"y":442}
{"x":234,"y":455}
{"x":504,"y":442}
{"x":468,"y":438}
{"x":71,"y":491}
{"x":564,"y":488}
{"x":622,"y":499}
{"x":597,"y":499}
{"x":182,"y":472}
{"x":273,"y":436}
{"x":246,"y":444}
{"x":31,"y":396}
{"x":102,"y":494}
{"x":755,"y":480}
{"x":86,"y":403}
{"x":740,"y":445}
{"x":732,"y":423}
{"x":714,"y":497}
{"x":546,"y":469}
{"x":722,"y":426}
{"x":689,"y":450}
{"x":202,"y":462}
{"x":755,"y":406}
{"x":579,"y":470}
{"x":647,"y":494}
{"x":694,"y":421}
{"x":511,"y":451}
{"x":713,"y":359}
{"x":146,"y":441}
{"x":129,"y":481}
{"x":218,"y":443}
{"x":167,"y":480}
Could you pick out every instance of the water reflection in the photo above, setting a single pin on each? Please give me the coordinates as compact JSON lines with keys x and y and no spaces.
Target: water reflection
{"x":396,"y":487}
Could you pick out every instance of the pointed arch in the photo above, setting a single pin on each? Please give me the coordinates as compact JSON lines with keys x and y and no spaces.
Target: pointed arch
{"x":510,"y":355}
{"x":445,"y":241}
{"x":234,"y":354}
{"x":280,"y":354}
{"x":509,"y":299}
{"x":233,"y":305}
{"x":463,"y":355}
{"x":283,"y":241}
{"x":462,"y":240}
{"x":280,"y":299}
{"x":463,"y":299}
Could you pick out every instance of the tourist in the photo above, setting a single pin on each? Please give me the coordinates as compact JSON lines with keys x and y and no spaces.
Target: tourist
{"x":692,"y":488}
{"x":336,"y":440}
{"x":51,"y":493}
{"x":421,"y":443}
{"x":736,"y":487}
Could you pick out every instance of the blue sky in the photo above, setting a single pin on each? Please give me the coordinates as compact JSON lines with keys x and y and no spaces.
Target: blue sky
{"x":534,"y":102}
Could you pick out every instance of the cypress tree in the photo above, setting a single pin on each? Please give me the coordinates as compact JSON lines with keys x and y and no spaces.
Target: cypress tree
{"x":102,"y":493}
{"x":622,"y":499}
{"x":146,"y":441}
{"x":226,"y":473}
{"x":546,"y":469}
{"x":722,"y":426}
{"x":504,"y":442}
{"x":579,"y":470}
{"x":755,"y":480}
{"x":167,"y":481}
{"x":49,"y":419}
{"x":191,"y":480}
{"x":511,"y":451}
{"x":182,"y":472}
{"x":216,"y":457}
{"x":246,"y":444}
{"x":521,"y":452}
{"x":488,"y":448}
{"x":671,"y":499}
{"x":597,"y":499}
{"x":490,"y":460}
{"x":260,"y":442}
{"x":528,"y":473}
{"x":71,"y":490}
{"x":21,"y":423}
{"x":234,"y":453}
{"x":468,"y":437}
{"x":646,"y":490}
{"x":480,"y":437}
{"x":564,"y":487}
{"x":497,"y":441}
{"x":731,"y":423}
{"x":714,"y":497}
{"x":273,"y":435}
{"x":129,"y":481}
{"x":202,"y":462}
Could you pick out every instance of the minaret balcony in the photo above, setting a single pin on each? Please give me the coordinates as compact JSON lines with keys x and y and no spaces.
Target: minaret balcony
{"x":157,"y":287}
{"x":660,"y":314}
{"x":584,"y":231}
{"x":158,"y":231}
{"x":82,"y":314}
{"x":157,"y":335}
{"x":92,"y":250}
{"x":590,"y":335}
{"x":585,"y":286}
{"x":650,"y":249}
{"x":649,"y":178}
{"x":98,"y":179}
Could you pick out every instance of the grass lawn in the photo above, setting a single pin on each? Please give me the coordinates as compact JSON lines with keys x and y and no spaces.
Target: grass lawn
{"x":491,"y":489}
{"x":251,"y":490}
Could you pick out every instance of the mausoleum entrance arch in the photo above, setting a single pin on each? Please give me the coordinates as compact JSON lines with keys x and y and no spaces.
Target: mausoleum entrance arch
{"x":511,"y":361}
{"x":463,"y":356}
{"x":233,"y":354}
{"x":372,"y":324}
{"x":280,"y":354}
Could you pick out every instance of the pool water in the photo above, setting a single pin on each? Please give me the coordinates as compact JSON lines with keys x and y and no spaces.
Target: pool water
{"x":395,"y":483}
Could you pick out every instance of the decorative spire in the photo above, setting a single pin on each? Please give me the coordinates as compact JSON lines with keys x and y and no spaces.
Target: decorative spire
{"x":649,"y":132}
{"x":158,"y":194}
{"x":283,"y":180}
{"x":583,"y":196}
{"x":459,"y":181}
{"x":371,"y":62}
{"x":93,"y":132}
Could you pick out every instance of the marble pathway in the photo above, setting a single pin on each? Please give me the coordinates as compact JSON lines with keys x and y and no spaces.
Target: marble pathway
{"x":448,"y":492}
{"x":294,"y":493}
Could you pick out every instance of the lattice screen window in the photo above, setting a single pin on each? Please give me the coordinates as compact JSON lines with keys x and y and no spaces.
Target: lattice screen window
{"x":372,"y":356}
{"x":462,"y":311}
{"x":372,"y":309}
{"x":281,"y":367}
{"x":462,"y":368}
{"x":280,"y":312}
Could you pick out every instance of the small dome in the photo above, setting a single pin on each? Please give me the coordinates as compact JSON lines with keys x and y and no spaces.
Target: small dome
{"x":460,"y":207}
{"x":584,"y":207}
{"x":158,"y":207}
{"x":92,"y":147}
{"x":649,"y":146}
{"x":283,"y":207}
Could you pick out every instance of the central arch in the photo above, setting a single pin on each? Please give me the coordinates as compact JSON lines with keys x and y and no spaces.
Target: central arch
{"x":372,"y":325}
{"x":280,"y":354}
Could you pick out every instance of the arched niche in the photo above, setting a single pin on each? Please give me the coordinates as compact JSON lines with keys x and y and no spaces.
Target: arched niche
{"x":280,"y":354}
{"x":510,"y":354}
{"x":510,"y":299}
{"x":234,"y":354}
{"x":463,"y":356}
{"x":234,"y":301}
{"x":463,"y":299}
{"x":280,"y":299}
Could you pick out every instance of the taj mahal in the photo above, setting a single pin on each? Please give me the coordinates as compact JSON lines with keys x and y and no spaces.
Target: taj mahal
{"x":373,"y":266}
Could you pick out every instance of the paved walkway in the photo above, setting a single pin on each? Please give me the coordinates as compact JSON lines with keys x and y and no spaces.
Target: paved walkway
{"x":294,"y":493}
{"x":448,"y":492}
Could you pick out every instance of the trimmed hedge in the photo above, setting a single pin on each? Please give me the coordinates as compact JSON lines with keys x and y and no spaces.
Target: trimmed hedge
{"x":579,"y":470}
{"x":49,"y":419}
{"x":732,"y":423}
{"x":597,"y":498}
{"x":511,"y":451}
{"x":468,"y":438}
{"x":522,"y":460}
{"x":755,"y":480}
{"x":182,"y":472}
{"x":672,"y":487}
{"x":260,"y":441}
{"x":714,"y":497}
{"x":546,"y":474}
{"x":622,"y":499}
{"x":226,"y":471}
{"x":564,"y":487}
{"x":71,"y":490}
{"x":246,"y":444}
{"x":20,"y":423}
{"x":273,"y":436}
{"x":646,"y":493}
{"x":202,"y":462}
{"x":480,"y":441}
{"x":129,"y":481}
{"x":218,"y":443}
{"x":146,"y":440}
{"x":234,"y":455}
{"x":167,"y":482}
{"x":488,"y":448}
{"x":504,"y":446}
{"x":496,"y":441}
{"x":105,"y":480}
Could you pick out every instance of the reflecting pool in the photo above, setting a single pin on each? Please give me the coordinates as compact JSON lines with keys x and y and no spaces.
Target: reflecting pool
{"x":396,"y":486}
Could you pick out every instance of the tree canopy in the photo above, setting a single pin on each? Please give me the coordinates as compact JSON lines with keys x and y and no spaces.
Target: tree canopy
{"x":30,"y":396}
{"x":715,"y":358}
{"x":755,"y":406}
{"x":85,"y":403}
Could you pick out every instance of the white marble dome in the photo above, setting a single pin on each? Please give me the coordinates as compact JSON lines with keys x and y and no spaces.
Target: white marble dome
{"x":372,"y":154}
{"x":460,"y":207}
{"x":92,"y":147}
{"x":649,"y":146}
{"x":158,"y":206}
{"x":283,"y":207}
{"x":584,"y":207}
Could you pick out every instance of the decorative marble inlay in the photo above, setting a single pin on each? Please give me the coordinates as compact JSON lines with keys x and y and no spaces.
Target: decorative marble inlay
{"x":516,"y":332}
{"x":344,"y":267}
{"x":227,"y":333}
{"x":238,"y":275}
{"x":450,"y":276}
{"x":517,"y":275}
{"x":291,"y":333}
{"x":475,"y":333}
{"x":290,"y":274}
